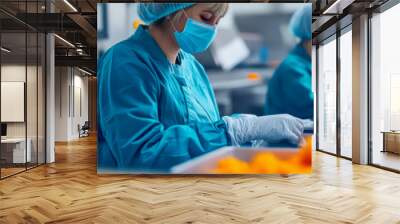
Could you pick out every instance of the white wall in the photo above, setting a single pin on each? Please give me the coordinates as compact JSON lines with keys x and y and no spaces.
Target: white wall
{"x":69,"y":82}
{"x":12,"y":73}
{"x":80,"y":83}
{"x":61,"y":103}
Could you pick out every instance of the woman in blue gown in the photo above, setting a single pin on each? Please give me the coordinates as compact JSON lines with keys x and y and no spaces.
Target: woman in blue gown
{"x":156,"y":107}
{"x":290,"y":88}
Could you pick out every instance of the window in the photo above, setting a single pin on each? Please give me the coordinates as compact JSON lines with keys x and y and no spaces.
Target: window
{"x":22,"y":87}
{"x":327,"y":96}
{"x":346,"y":93}
{"x":385,"y":89}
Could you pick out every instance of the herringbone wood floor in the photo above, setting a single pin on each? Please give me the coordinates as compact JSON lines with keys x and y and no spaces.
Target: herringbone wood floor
{"x":70,"y":191}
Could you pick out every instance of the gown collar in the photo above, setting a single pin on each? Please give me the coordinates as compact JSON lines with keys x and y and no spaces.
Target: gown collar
{"x":301,"y":51}
{"x":153,"y":49}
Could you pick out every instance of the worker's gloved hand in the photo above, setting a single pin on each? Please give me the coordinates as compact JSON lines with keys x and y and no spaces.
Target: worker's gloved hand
{"x":308,"y":124}
{"x":273,"y":128}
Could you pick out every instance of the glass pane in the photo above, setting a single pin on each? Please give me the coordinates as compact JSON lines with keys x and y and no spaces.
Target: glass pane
{"x":31,"y":97}
{"x":346,"y":94}
{"x":327,"y":97}
{"x":32,"y":87}
{"x":23,"y":90}
{"x":385,"y":84}
{"x":41,"y":98}
{"x":314,"y":88}
{"x":13,"y":87}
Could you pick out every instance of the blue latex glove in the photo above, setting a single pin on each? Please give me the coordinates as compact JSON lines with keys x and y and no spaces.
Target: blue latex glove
{"x":308,"y":129}
{"x":273,"y":128}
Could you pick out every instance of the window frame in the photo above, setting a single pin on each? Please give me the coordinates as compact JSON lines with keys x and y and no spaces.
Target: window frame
{"x":347,"y":27}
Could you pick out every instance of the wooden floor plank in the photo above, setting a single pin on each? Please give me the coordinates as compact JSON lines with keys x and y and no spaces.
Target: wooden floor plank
{"x":70,"y":191}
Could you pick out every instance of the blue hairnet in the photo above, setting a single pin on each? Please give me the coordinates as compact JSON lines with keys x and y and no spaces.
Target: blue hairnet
{"x":151,"y":12}
{"x":300,"y":23}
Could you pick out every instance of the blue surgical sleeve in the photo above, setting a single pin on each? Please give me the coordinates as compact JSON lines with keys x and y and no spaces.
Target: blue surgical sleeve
{"x":128,"y":104}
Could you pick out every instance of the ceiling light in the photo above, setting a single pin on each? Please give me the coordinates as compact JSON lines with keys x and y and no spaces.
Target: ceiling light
{"x":5,"y":50}
{"x":337,"y":7}
{"x":84,"y":71}
{"x":79,"y":51}
{"x":65,"y":41}
{"x":70,"y":5}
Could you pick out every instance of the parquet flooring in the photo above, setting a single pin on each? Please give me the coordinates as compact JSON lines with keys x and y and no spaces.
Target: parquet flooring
{"x":70,"y":191}
{"x":10,"y":171}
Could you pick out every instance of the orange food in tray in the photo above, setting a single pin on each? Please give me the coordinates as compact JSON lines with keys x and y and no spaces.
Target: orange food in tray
{"x":231,"y":164}
{"x":270,"y":162}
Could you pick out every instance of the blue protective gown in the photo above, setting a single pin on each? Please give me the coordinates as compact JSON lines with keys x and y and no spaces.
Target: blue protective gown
{"x":290,"y":88}
{"x":153,"y":114}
